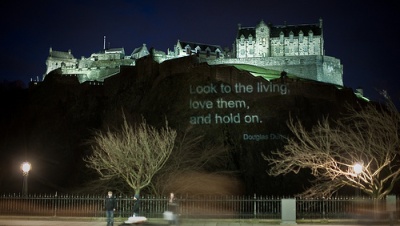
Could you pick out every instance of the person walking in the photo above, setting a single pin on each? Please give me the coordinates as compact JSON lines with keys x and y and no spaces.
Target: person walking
{"x":110,"y":205}
{"x":136,"y":205}
{"x":173,"y":207}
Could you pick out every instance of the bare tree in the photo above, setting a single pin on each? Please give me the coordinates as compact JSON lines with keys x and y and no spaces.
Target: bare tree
{"x":133,"y":155}
{"x":369,"y":137}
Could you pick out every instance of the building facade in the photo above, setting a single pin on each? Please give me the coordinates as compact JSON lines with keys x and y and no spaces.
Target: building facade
{"x":276,"y":41}
{"x":58,"y":59}
{"x":295,"y":49}
{"x":97,"y":67}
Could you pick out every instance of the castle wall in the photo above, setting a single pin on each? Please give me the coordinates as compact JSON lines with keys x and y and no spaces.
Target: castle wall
{"x":332,"y":70}
{"x":90,"y":74}
{"x":318,"y":68}
{"x":54,"y":63}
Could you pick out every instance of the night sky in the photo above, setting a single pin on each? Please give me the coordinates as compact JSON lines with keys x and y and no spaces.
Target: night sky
{"x":362,"y":34}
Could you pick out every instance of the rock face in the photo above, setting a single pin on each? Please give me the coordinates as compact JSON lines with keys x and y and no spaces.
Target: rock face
{"x":226,"y":105}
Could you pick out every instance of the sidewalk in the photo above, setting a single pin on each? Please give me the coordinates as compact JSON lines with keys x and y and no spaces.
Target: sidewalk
{"x":15,"y":221}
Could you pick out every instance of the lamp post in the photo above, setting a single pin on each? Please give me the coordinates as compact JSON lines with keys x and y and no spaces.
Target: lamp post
{"x":358,"y":168}
{"x":25,"y":167}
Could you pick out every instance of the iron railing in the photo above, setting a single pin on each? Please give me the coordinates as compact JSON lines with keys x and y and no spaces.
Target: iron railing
{"x":224,"y":207}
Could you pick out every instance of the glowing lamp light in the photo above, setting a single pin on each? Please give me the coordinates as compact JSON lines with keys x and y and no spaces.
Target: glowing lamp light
{"x":358,"y":168}
{"x":26,"y":167}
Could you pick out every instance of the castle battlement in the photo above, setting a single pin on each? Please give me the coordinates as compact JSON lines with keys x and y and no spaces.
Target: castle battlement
{"x":318,"y":68}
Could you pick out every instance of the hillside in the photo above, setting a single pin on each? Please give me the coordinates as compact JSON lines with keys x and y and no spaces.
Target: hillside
{"x":226,"y":104}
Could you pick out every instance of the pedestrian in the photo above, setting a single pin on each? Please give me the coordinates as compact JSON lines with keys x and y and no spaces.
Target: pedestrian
{"x":110,"y":205}
{"x":136,"y":205}
{"x":173,"y":207}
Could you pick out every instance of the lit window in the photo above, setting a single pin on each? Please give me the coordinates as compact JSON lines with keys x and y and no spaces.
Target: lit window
{"x":281,"y":37}
{"x":242,"y":39}
{"x":301,"y":35}
{"x":291,"y":36}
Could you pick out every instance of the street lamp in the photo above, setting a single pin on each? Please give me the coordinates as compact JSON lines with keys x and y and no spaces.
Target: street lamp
{"x":358,"y":168}
{"x":25,"y":167}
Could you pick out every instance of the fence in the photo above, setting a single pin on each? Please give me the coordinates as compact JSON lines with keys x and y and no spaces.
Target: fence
{"x":224,"y":207}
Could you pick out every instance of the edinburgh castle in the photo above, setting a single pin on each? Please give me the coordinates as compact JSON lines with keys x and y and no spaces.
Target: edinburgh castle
{"x":296,"y":49}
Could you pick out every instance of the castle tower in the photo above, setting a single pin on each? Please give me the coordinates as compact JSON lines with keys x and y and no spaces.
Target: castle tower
{"x":262,"y":45}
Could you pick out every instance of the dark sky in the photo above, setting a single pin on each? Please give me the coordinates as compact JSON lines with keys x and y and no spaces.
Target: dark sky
{"x":362,"y":34}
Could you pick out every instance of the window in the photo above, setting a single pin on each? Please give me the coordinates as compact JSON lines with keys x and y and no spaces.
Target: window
{"x":281,"y":37}
{"x":301,"y":35}
{"x":310,"y":36}
{"x":291,"y":36}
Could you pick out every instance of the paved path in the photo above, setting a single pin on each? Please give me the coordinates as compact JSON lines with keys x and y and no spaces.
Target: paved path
{"x":15,"y":222}
{"x":78,"y":222}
